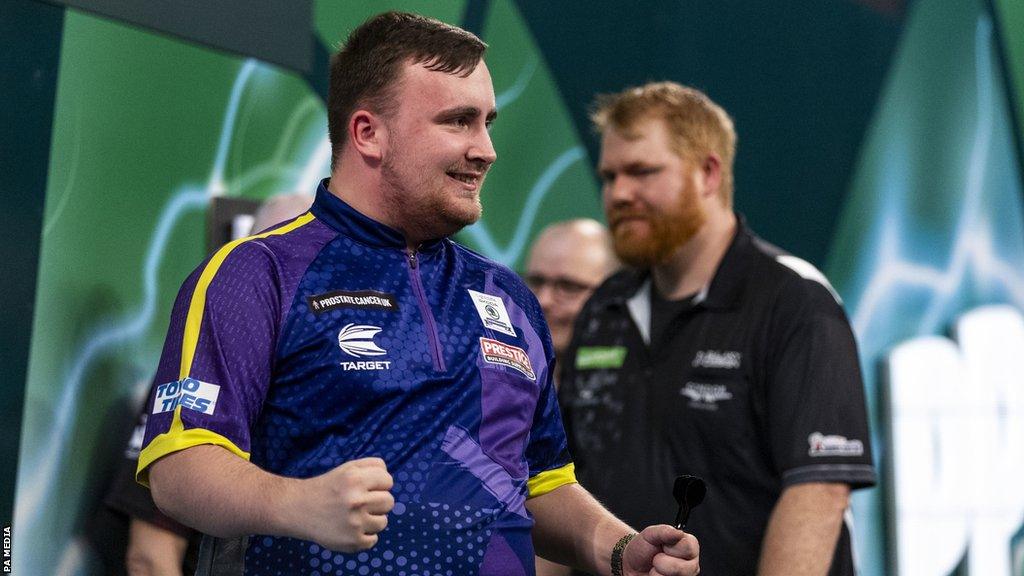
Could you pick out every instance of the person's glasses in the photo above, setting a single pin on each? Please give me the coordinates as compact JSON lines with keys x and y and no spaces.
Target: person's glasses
{"x":561,"y":287}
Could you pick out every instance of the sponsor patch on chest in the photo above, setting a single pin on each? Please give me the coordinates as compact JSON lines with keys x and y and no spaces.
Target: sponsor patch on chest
{"x":492,"y":312}
{"x":705,"y":396}
{"x":495,"y":352}
{"x":321,"y":303}
{"x":727,"y":359}
{"x":357,"y":340}
{"x":598,"y":357}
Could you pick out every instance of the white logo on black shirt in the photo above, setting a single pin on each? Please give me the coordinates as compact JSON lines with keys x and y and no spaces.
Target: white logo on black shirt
{"x":833,"y":445}
{"x":705,"y":396}
{"x":717,"y":359}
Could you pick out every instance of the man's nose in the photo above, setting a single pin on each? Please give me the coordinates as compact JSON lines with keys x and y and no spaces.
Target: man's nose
{"x":545,"y":294}
{"x":620,"y":190}
{"x":483,"y":150}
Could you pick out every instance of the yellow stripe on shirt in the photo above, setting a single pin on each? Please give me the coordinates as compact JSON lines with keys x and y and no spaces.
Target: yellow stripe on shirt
{"x":548,"y":480}
{"x":197,"y":306}
{"x":177,"y":437}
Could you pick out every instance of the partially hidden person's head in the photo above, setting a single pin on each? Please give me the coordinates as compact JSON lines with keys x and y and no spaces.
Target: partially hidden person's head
{"x":666,"y":164}
{"x":567,"y":261}
{"x":279,"y":208}
{"x":410,"y":104}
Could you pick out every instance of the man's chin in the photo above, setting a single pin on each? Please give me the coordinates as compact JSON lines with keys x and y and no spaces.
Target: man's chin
{"x":638,"y":253}
{"x":467,"y":218}
{"x":467,"y":211}
{"x":453,"y":220}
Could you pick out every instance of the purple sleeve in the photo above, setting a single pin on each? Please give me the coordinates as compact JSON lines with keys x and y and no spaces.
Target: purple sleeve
{"x":217,"y":359}
{"x":547,"y":452}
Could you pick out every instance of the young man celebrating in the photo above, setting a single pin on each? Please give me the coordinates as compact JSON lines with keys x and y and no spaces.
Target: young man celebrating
{"x":360,"y":393}
{"x":719,"y":355}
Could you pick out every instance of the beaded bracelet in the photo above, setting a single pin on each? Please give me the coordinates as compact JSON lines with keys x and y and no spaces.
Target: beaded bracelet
{"x":617,"y":551}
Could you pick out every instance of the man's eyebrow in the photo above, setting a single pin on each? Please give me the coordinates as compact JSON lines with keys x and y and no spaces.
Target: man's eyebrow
{"x":630,"y":168}
{"x":639,"y":165}
{"x":467,"y":111}
{"x":470,"y":111}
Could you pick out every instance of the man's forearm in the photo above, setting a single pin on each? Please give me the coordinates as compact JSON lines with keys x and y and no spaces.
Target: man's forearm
{"x":572,"y":528}
{"x":549,"y":568}
{"x":803,"y":529}
{"x":216,"y":492}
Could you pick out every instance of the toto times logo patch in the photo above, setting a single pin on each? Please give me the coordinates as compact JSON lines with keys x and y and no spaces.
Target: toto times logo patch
{"x":188,"y":393}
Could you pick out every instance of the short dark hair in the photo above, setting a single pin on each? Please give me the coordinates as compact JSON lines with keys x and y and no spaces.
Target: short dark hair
{"x":366,"y":70}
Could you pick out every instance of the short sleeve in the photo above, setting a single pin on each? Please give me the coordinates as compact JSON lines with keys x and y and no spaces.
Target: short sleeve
{"x":218,"y":355}
{"x":816,"y":410}
{"x":547,"y":452}
{"x":127,"y":497}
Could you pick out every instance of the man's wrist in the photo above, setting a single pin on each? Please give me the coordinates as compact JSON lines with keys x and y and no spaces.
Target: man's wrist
{"x":617,"y":551}
{"x":286,"y":512}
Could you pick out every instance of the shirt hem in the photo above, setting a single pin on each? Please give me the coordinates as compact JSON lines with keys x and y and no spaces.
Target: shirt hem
{"x":856,"y":475}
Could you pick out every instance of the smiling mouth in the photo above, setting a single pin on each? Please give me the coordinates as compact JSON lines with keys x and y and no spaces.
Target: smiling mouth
{"x":466,"y":178}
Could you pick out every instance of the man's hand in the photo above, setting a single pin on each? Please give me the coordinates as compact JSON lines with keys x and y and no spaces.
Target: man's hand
{"x":661,"y":551}
{"x":345,"y":509}
{"x":153,"y":550}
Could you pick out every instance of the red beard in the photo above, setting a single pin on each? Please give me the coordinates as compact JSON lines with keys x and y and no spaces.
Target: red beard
{"x":654,"y":240}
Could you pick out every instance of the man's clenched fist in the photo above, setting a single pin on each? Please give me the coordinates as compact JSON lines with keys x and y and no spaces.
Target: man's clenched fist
{"x":344,"y":509}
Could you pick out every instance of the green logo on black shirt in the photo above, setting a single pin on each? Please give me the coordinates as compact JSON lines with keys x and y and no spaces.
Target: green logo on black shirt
{"x":597,"y":357}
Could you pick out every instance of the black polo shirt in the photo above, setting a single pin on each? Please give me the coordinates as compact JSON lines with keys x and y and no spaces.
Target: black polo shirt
{"x":755,"y":387}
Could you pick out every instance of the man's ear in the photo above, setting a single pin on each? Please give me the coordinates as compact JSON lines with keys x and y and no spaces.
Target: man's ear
{"x":368,"y":134}
{"x":711,"y":172}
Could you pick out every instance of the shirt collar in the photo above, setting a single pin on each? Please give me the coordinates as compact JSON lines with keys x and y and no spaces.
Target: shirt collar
{"x":342,"y":217}
{"x":726,"y":286}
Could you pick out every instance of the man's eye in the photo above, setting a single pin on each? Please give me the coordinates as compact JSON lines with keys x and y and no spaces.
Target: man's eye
{"x":460,"y":121}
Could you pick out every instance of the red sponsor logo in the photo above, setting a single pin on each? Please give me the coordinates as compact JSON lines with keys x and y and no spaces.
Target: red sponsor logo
{"x":496,"y":352}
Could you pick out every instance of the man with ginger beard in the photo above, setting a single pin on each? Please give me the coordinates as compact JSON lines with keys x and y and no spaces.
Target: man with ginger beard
{"x":360,"y":394}
{"x":717,"y":355}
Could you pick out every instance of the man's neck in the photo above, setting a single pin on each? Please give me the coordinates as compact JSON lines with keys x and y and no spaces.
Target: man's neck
{"x":362,"y":191}
{"x":357,"y":191}
{"x":693,"y":265}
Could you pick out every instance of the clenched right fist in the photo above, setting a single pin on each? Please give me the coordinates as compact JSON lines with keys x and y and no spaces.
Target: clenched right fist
{"x":344,"y":509}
